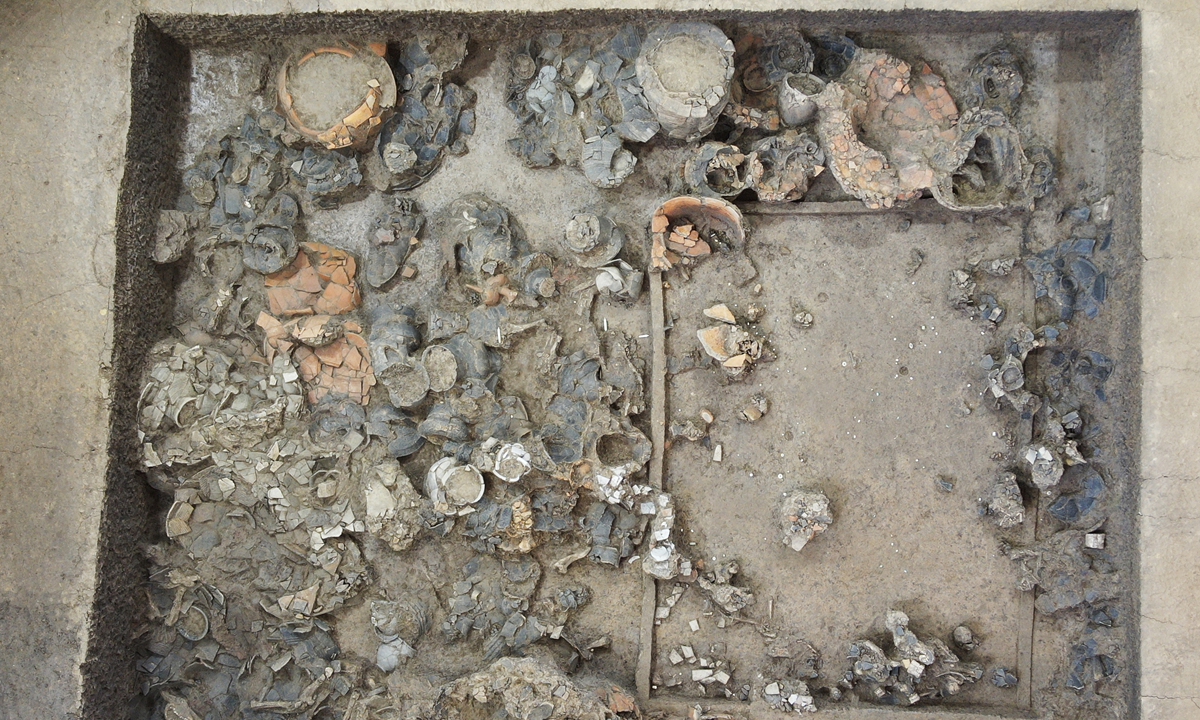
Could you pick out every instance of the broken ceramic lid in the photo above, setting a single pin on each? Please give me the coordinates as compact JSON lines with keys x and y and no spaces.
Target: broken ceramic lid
{"x":394,"y":335}
{"x":719,"y":170}
{"x":593,"y":240}
{"x":685,"y":70}
{"x":337,"y":95}
{"x":511,"y":462}
{"x":327,"y":175}
{"x":802,"y":515}
{"x":453,"y":487}
{"x":441,"y":366}
{"x":689,"y":227}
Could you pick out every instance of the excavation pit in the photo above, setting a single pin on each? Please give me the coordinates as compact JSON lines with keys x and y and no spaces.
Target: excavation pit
{"x":877,"y":395}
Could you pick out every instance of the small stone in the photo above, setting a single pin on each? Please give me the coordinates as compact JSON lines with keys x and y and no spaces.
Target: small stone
{"x":1094,"y":540}
{"x":675,"y":657}
{"x":718,"y":453}
{"x":700,"y":674}
{"x":408,"y":272}
{"x":772,"y":689}
{"x":706,"y":415}
{"x":694,"y":625}
{"x":721,"y":676}
{"x":687,"y":651}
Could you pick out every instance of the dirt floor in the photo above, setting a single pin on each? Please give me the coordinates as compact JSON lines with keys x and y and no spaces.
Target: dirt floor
{"x":880,"y":400}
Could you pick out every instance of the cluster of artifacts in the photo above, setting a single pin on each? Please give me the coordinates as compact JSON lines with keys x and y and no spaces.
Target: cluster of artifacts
{"x":316,"y":411}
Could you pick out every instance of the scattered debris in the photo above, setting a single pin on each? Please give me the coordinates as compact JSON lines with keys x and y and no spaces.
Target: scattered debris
{"x":1004,"y":678}
{"x":789,"y":696}
{"x":1067,"y":276}
{"x":433,"y":117}
{"x":394,"y":510}
{"x":1065,"y":572}
{"x":916,"y":670}
{"x":579,"y":105}
{"x":1093,"y":661}
{"x":1074,"y":374}
{"x":717,"y":585}
{"x":394,"y":238}
{"x":790,"y":162}
{"x":996,"y":81}
{"x":519,"y":688}
{"x":663,"y":560}
{"x":802,"y":515}
{"x":736,"y":349}
{"x":1004,"y":503}
{"x":1051,"y":453}
{"x":720,"y":170}
{"x":720,"y":312}
{"x":755,"y":408}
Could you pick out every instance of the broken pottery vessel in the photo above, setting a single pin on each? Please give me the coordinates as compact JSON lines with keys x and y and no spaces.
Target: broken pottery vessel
{"x":337,"y":95}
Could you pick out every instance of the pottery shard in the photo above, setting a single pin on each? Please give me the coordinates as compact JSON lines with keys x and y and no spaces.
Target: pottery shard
{"x":720,"y":312}
{"x":340,"y":369}
{"x":322,"y":284}
{"x":721,"y":341}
